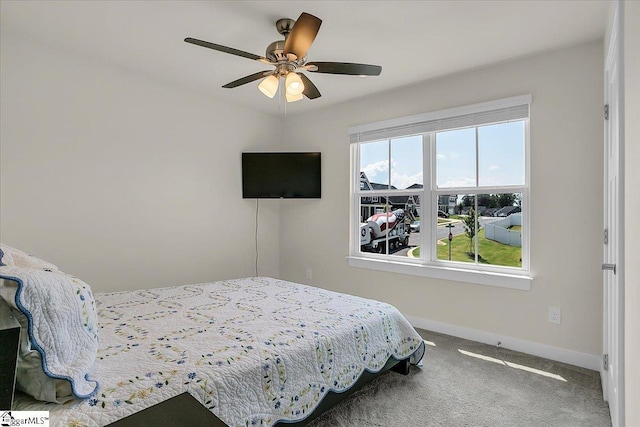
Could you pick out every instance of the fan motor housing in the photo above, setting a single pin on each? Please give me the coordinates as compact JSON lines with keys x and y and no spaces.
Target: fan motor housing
{"x":284,"y":26}
{"x":275,"y":51}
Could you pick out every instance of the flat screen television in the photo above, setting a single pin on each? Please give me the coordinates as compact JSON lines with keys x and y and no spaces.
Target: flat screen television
{"x":269,"y":175}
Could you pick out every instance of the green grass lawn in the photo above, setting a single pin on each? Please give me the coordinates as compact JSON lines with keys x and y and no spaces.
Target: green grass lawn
{"x":493,"y":253}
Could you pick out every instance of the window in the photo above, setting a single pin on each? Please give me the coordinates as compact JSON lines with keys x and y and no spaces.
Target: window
{"x":445,"y":194}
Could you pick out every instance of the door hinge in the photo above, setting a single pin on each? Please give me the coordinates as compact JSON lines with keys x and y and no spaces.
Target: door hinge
{"x":605,"y":362}
{"x":606,"y":112}
{"x":606,"y":236}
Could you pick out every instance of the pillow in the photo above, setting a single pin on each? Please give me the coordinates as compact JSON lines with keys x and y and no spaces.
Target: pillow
{"x":59,"y":341}
{"x":22,"y":259}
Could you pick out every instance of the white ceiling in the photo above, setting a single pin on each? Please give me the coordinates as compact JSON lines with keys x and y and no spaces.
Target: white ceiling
{"x":412,"y":40}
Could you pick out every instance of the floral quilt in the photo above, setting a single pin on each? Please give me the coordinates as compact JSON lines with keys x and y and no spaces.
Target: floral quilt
{"x":254,"y":351}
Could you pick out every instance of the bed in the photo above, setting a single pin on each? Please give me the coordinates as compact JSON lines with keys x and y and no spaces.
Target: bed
{"x":253,"y":351}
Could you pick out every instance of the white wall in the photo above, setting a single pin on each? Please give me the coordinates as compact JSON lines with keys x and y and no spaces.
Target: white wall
{"x":128,"y":183}
{"x":122,"y":181}
{"x":632,"y":209}
{"x":566,"y":202}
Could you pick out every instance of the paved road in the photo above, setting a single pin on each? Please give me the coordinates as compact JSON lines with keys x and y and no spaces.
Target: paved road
{"x":443,"y":233}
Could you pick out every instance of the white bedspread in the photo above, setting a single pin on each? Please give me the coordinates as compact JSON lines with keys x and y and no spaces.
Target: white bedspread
{"x":254,"y":351}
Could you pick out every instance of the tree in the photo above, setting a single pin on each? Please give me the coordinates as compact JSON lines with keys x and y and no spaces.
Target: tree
{"x":506,"y":199}
{"x":469,"y":199}
{"x":518,"y":199}
{"x":487,"y":200}
{"x":471,"y":225}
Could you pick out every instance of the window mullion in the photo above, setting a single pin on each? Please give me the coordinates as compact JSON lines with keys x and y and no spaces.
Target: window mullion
{"x":403,"y":192}
{"x":429,"y":240}
{"x":389,"y":167}
{"x":477,"y":228}
{"x":475,"y":209}
{"x":356,"y":200}
{"x":387,"y":205}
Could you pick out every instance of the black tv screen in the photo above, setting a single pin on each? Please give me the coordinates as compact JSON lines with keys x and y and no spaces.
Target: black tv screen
{"x":281,"y":175}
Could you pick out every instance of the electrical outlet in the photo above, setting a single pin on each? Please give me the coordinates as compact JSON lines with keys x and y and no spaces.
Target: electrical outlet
{"x":555,"y":315}
{"x":309,"y":273}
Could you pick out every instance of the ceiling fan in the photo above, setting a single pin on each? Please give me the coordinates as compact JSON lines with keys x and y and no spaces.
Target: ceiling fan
{"x":289,"y":57}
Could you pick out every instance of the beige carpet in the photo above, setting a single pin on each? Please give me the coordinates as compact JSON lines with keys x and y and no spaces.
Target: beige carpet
{"x":463,"y":389}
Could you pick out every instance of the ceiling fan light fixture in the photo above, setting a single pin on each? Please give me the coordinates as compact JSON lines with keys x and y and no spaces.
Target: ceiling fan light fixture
{"x":294,"y":84}
{"x":293,"y":98}
{"x":269,"y":86}
{"x":289,"y":57}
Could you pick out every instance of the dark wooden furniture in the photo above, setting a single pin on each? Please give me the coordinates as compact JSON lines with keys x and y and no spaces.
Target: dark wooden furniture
{"x":179,"y":411}
{"x":10,"y":339}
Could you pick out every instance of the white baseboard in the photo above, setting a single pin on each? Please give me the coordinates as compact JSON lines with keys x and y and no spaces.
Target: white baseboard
{"x":584,"y":360}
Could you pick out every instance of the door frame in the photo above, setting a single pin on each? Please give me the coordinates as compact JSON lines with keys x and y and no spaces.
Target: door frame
{"x":613,"y":308}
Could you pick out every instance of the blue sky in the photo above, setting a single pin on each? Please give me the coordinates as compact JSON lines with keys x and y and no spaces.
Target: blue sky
{"x":500,"y":158}
{"x":406,"y":161}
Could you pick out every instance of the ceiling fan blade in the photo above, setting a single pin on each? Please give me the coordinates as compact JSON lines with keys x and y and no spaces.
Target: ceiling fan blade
{"x":310,"y":90}
{"x":302,"y":35}
{"x":247,"y":79}
{"x":226,"y":49}
{"x":344,"y":68}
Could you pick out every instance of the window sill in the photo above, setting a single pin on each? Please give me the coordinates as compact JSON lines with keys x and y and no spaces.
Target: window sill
{"x":488,"y":278}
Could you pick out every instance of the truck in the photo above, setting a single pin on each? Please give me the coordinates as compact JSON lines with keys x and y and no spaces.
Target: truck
{"x":383,"y":227}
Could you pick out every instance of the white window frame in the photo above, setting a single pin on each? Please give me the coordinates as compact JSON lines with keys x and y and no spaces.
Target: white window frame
{"x":498,"y":111}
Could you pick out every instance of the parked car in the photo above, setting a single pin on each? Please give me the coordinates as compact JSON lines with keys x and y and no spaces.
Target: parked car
{"x":443,"y":214}
{"x":415,"y":226}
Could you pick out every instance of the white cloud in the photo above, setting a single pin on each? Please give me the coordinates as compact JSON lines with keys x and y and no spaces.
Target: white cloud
{"x":494,"y":167}
{"x":377,"y":171}
{"x":404,"y":181}
{"x":457,"y":182}
{"x":441,"y":157}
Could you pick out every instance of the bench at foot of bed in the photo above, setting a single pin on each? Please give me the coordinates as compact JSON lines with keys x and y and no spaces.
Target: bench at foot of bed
{"x":179,"y":411}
